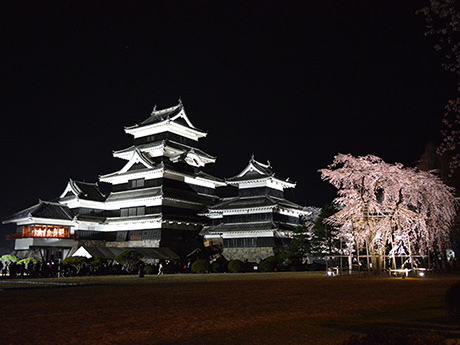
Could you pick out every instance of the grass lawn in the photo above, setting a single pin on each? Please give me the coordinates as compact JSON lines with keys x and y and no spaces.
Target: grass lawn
{"x":251,"y":308}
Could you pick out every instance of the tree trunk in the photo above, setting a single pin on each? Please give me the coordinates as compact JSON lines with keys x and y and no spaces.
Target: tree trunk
{"x":350,"y":263}
{"x":367,"y":257}
{"x":377,"y":262}
{"x":410,"y":255}
{"x":383,"y":253}
{"x":393,"y":257}
{"x":443,"y":259}
{"x":341,"y":255}
{"x":357,"y":256}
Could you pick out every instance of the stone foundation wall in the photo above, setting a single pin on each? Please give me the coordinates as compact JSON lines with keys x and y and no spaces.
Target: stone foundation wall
{"x":134,"y":244}
{"x":123,"y":244}
{"x":120,"y":244}
{"x":253,"y":254}
{"x":31,"y":253}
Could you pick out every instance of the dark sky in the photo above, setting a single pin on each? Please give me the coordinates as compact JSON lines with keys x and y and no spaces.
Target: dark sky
{"x":294,"y":82}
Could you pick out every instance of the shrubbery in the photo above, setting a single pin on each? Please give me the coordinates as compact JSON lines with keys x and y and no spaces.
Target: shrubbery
{"x":98,"y":266}
{"x":236,"y":266}
{"x":129,"y":259}
{"x":219,"y":265}
{"x":215,"y":267}
{"x":9,"y":258}
{"x":28,"y":261}
{"x":149,"y":269}
{"x":265,"y":266}
{"x":77,"y":262}
{"x":200,"y":266}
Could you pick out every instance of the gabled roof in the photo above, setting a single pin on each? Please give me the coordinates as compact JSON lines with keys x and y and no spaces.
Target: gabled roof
{"x":126,"y":152}
{"x":187,"y":148}
{"x":164,"y":146}
{"x":84,"y":190}
{"x":163,"y":114}
{"x":44,"y":209}
{"x":189,"y":157}
{"x":255,"y":171}
{"x":173,"y":114}
{"x":138,"y":158}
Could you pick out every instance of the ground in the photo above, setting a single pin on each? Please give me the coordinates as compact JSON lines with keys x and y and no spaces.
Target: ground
{"x":256,"y":308}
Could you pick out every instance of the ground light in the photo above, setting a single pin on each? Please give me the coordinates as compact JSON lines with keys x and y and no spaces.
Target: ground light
{"x":333,"y":271}
{"x":420,"y":272}
{"x":404,"y":272}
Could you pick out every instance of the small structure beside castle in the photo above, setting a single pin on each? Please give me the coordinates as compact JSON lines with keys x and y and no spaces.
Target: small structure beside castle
{"x":163,"y":203}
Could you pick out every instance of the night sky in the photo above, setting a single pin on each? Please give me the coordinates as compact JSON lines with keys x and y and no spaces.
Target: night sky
{"x":294,"y":82}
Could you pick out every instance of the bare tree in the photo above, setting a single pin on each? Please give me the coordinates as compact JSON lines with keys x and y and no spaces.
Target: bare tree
{"x":442,"y":19}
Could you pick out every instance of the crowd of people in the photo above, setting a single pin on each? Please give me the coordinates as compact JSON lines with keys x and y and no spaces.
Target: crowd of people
{"x":31,"y":268}
{"x":57,"y":268}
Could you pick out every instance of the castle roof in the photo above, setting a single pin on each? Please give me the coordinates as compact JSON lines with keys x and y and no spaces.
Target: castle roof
{"x":44,"y":209}
{"x":181,"y":168}
{"x":137,"y":162}
{"x":163,"y":114}
{"x":253,"y":170}
{"x":141,"y":163}
{"x":84,"y":190}
{"x":165,"y":147}
{"x":239,"y":227}
{"x":135,"y":194}
{"x":173,"y":115}
{"x":252,"y":202}
{"x":256,"y":171}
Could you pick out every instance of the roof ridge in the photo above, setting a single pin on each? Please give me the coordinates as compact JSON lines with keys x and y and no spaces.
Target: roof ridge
{"x":84,"y":182}
{"x":165,"y":110}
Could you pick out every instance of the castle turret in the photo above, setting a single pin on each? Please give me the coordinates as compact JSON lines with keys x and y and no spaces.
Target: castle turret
{"x":259,"y":221}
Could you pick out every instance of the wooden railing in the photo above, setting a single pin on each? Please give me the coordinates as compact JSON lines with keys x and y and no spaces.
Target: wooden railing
{"x":29,"y":235}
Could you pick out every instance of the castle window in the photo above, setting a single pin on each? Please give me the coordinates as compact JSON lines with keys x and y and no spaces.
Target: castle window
{"x":137,"y":183}
{"x":132,"y":211}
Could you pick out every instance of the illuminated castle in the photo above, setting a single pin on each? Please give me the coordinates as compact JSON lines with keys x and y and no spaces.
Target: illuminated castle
{"x":160,"y":200}
{"x":257,"y":222}
{"x":154,"y":201}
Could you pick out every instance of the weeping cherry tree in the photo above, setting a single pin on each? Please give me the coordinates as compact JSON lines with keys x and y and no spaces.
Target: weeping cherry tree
{"x":388,"y":208}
